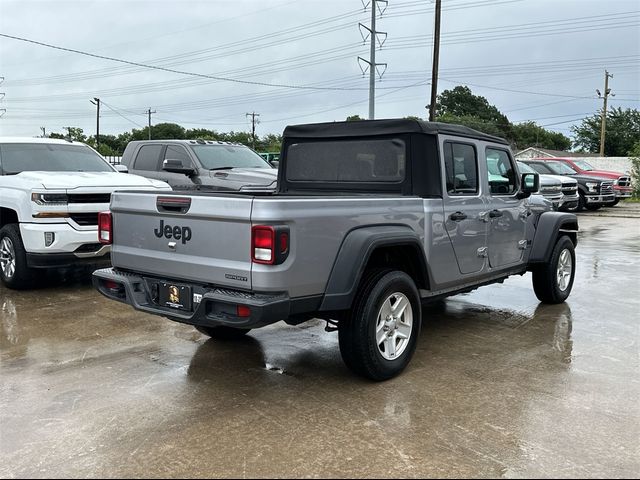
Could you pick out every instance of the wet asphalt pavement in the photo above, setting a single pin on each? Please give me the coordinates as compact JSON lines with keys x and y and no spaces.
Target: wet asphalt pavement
{"x":500,"y":386}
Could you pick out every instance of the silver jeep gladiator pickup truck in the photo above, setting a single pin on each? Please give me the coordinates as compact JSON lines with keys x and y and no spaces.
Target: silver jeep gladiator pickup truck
{"x":369,"y":220}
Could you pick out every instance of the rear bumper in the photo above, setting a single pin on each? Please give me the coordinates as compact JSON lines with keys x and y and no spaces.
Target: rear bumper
{"x":215,"y":307}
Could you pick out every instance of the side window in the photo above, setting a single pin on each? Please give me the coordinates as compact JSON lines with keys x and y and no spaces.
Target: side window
{"x":501,"y":172}
{"x":147,"y":158}
{"x":461,"y":165}
{"x":177,"y":152}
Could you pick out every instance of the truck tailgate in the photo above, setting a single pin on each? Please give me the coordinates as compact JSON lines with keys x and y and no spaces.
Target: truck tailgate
{"x":207,"y":243}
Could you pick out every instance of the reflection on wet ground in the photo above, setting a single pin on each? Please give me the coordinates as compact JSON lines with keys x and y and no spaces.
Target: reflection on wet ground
{"x":500,"y":386}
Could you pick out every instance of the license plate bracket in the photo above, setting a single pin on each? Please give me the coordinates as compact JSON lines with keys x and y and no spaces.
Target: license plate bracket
{"x":175,"y":296}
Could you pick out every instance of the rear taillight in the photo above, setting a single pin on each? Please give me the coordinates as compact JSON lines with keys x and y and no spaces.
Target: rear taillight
{"x":269,"y":245}
{"x":105,"y":228}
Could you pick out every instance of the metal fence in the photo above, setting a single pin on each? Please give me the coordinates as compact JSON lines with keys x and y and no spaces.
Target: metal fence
{"x":112,"y":159}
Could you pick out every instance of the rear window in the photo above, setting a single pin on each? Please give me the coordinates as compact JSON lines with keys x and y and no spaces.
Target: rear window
{"x":50,"y":157}
{"x":347,"y":161}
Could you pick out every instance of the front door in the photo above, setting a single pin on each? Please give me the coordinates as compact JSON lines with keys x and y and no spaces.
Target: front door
{"x":506,"y":213}
{"x":464,"y":205}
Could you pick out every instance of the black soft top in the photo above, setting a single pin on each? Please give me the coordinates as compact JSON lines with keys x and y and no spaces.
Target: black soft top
{"x":384,"y":127}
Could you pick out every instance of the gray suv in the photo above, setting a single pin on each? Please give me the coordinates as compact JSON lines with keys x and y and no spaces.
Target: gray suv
{"x":200,"y":165}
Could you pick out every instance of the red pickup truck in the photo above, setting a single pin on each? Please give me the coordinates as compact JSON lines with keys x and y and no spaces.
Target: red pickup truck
{"x":621,"y":182}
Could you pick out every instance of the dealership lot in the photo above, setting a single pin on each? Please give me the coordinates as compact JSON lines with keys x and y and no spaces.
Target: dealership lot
{"x":501,"y":385}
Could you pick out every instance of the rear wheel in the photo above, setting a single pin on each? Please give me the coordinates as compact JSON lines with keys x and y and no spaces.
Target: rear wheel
{"x":552,"y":282}
{"x":14,"y":271}
{"x":380,"y":335}
{"x":223,"y":333}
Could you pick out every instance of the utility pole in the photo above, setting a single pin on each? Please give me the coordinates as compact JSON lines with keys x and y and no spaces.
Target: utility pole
{"x":96,"y":102}
{"x":44,"y":132}
{"x":372,"y":65}
{"x":253,"y":116}
{"x":603,"y":123}
{"x":436,"y":59}
{"x":149,"y":112}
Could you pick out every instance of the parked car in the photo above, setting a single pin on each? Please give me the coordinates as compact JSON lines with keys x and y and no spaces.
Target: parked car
{"x":369,"y":219}
{"x":561,"y":190}
{"x":593,"y":192}
{"x":621,"y":182}
{"x":200,"y":165}
{"x":50,"y":194}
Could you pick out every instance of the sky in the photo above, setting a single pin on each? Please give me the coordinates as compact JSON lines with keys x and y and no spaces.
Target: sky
{"x":296,"y":61}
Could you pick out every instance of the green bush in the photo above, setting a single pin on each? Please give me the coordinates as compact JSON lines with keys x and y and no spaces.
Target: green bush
{"x":634,"y":154}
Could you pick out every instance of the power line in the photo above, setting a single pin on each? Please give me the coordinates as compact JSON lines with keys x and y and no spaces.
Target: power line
{"x":171,"y":70}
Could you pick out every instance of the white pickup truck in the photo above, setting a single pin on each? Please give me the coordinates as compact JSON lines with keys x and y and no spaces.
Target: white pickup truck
{"x":50,"y":194}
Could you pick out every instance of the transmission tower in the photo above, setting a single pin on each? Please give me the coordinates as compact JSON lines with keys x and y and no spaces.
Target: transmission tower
{"x":375,"y":37}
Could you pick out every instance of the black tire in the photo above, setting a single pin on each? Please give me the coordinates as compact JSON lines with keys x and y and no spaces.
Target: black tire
{"x":614,"y":203}
{"x":223,"y":333}
{"x":23,"y":277}
{"x":545,"y":277}
{"x":357,"y":332}
{"x":593,"y":208}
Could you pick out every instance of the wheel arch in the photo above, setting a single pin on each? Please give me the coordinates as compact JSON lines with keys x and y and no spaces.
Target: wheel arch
{"x":549,"y":228}
{"x":393,"y":246}
{"x":7,"y":216}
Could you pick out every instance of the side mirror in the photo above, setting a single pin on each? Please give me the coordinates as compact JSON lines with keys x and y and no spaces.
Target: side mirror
{"x":121,"y":168}
{"x":530,"y":183}
{"x":275,"y":163}
{"x":174,"y":165}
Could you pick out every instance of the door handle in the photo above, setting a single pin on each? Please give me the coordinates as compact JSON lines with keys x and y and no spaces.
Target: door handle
{"x":495,"y":214}
{"x":458,"y":216}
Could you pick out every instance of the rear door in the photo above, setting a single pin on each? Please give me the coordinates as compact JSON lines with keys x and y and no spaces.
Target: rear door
{"x":464,"y":204}
{"x":146,"y":161}
{"x":507,"y":213}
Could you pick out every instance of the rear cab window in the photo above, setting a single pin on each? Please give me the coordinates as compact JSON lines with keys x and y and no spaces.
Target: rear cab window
{"x":349,"y":164}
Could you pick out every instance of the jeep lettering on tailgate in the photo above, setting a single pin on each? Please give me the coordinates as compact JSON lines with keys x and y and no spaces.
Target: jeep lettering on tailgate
{"x":167,"y":231}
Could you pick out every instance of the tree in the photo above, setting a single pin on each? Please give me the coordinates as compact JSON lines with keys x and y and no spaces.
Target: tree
{"x":462,"y":103}
{"x":164,"y":131}
{"x":623,"y":131}
{"x":635,"y":169}
{"x":472,"y":122}
{"x":354,"y":118}
{"x":529,"y":134}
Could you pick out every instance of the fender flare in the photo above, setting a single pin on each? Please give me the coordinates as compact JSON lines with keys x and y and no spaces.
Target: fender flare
{"x":550,"y":226}
{"x":352,"y":258}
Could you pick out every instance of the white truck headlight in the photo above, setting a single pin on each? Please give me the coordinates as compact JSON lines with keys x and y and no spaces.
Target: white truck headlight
{"x":593,"y":187}
{"x":53,"y":199}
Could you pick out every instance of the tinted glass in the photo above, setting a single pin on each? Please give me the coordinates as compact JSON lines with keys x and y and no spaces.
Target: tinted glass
{"x":584,"y":165}
{"x":524,"y":168}
{"x":560,"y":168}
{"x":348,"y":161}
{"x":176,"y":152}
{"x":502,"y":175}
{"x":228,"y":156}
{"x":461,"y":165}
{"x":25,"y":157}
{"x":147,"y":158}
{"x":540,"y":168}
